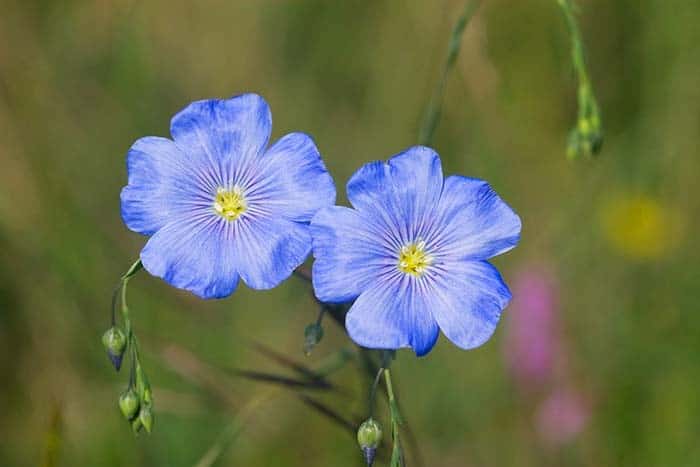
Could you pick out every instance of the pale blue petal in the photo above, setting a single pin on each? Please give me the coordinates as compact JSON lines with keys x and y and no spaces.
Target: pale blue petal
{"x":292,"y":181}
{"x":230,"y":134}
{"x":400,"y":194}
{"x":196,"y":254}
{"x":467,"y":300}
{"x":350,"y":253}
{"x":267,"y":250}
{"x":371,"y":186}
{"x":161,"y":186}
{"x":393,"y":313}
{"x":472,"y":222}
{"x":417,"y":177}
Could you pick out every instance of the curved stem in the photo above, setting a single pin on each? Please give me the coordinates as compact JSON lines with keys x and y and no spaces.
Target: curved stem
{"x":373,"y":391}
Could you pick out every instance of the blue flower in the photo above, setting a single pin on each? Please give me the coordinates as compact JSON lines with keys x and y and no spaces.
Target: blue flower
{"x":218,"y":204}
{"x":412,"y":254}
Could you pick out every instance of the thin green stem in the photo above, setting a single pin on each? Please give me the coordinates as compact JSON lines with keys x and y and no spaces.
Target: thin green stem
{"x":397,"y":459}
{"x":136,"y":267}
{"x":373,"y":392}
{"x":434,"y":110}
{"x":115,"y":297}
{"x":586,"y":137}
{"x":125,"y":309}
{"x":321,"y":313}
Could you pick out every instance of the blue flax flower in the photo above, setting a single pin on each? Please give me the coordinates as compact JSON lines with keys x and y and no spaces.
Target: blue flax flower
{"x":218,"y":204}
{"x":412,"y":254}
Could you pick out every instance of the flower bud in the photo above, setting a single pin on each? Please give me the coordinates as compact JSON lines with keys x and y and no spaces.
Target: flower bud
{"x":146,"y":417}
{"x":114,"y":341}
{"x":368,"y":437}
{"x":147,"y":395}
{"x":129,"y":404}
{"x":313,"y":333}
{"x":136,"y":425}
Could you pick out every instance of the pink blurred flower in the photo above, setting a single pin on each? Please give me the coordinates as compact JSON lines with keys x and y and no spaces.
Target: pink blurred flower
{"x":562,"y":416}
{"x":532,"y":337}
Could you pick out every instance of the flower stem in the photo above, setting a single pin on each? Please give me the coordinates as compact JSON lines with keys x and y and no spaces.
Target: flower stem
{"x":587,"y":136}
{"x":434,"y":110}
{"x":137,"y":376}
{"x":396,"y":452}
{"x":373,"y":392}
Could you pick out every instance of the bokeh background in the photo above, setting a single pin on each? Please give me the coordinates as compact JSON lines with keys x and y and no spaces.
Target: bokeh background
{"x":595,"y":362}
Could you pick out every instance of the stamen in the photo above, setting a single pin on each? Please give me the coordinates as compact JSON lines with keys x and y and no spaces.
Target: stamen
{"x":413,"y":259}
{"x":230,"y":204}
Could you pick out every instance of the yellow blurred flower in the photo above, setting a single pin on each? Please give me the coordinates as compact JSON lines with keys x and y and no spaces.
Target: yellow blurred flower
{"x":640,"y":226}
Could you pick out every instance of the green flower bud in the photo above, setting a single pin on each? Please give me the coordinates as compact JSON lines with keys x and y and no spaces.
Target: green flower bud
{"x":129,"y":404}
{"x":147,"y":396}
{"x":313,"y":333}
{"x":136,"y":425}
{"x":114,"y":341}
{"x":146,"y":417}
{"x":369,"y":436}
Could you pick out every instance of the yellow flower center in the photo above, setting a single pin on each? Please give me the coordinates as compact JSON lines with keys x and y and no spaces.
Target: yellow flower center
{"x":230,"y":204}
{"x":413,"y":259}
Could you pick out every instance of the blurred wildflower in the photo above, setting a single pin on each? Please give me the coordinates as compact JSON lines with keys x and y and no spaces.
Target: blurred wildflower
{"x":538,"y":360}
{"x":413,"y":253}
{"x":562,"y":416}
{"x":218,"y":205}
{"x":532,"y":339}
{"x":639,"y":226}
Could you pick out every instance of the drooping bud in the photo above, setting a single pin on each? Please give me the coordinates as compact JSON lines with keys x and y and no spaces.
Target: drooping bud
{"x":136,"y":425}
{"x":114,"y":341}
{"x":313,"y":333}
{"x":129,"y":404}
{"x":369,"y":435}
{"x":147,"y":396}
{"x":146,"y":417}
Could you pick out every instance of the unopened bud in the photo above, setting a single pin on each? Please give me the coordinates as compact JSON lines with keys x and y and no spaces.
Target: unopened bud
{"x":129,"y":404}
{"x":312,"y":336}
{"x":136,"y":425}
{"x":369,"y":435}
{"x":114,"y":341}
{"x":147,"y":395}
{"x":146,"y":417}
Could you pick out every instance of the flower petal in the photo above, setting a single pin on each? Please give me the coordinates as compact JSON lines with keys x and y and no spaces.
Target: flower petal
{"x":472,"y":221}
{"x":195,"y":254}
{"x":468,"y":298}
{"x":401,"y":194}
{"x":267,"y":250}
{"x":349,"y":254}
{"x":228,"y":133}
{"x":392,"y":313}
{"x":292,"y":181}
{"x":417,"y":177}
{"x":160,"y":186}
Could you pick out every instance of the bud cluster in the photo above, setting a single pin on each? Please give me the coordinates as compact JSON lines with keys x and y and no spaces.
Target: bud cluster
{"x":586,"y":138}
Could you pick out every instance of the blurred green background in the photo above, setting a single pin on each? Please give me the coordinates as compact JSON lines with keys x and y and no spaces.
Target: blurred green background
{"x":81,"y":80}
